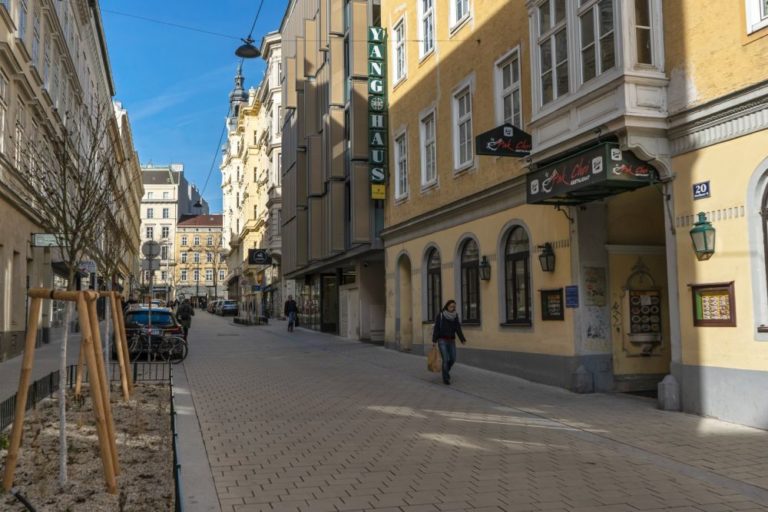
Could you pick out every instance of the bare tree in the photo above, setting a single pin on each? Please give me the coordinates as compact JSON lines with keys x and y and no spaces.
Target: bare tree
{"x":63,"y":176}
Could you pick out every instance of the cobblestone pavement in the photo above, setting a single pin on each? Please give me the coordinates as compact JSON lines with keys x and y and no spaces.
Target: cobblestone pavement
{"x":314,"y":422}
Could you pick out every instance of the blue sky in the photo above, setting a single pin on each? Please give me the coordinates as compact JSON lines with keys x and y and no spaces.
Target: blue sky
{"x":175,"y":82}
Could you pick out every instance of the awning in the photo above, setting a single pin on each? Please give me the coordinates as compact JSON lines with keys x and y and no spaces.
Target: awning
{"x":589,"y":175}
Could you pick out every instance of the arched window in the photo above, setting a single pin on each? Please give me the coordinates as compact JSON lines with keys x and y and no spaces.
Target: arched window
{"x":470,"y":282}
{"x":517,"y":276}
{"x":434,"y":284}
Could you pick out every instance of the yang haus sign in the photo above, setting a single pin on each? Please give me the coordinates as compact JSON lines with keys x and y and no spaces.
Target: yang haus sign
{"x":377,"y":110}
{"x":589,"y":175}
{"x":505,"y":140}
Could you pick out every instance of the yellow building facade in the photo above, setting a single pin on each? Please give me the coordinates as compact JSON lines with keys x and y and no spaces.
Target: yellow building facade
{"x":200,"y":265}
{"x":629,"y":105}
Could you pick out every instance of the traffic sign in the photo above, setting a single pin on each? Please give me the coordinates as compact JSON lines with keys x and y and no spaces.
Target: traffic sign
{"x":150,"y":264}
{"x":150,"y":249}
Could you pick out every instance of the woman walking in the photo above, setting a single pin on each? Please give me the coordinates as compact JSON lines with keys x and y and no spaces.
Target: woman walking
{"x":447,"y":328}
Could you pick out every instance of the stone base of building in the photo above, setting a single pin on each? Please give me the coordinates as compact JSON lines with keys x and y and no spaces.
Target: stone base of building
{"x":11,"y":344}
{"x":727,"y":394}
{"x":637,"y":382}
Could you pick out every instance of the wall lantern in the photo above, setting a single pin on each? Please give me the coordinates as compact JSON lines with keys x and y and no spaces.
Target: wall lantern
{"x":703,"y":237}
{"x":485,"y":269}
{"x":547,"y":257}
{"x":247,"y":50}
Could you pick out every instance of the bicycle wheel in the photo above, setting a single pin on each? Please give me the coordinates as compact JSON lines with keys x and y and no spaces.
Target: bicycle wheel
{"x":136,"y":346}
{"x":174,"y":349}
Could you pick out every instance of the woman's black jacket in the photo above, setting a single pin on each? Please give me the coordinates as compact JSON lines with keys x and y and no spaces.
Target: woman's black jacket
{"x":447,"y":329}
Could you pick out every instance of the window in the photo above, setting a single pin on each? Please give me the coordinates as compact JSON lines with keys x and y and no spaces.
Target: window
{"x":165,"y":231}
{"x":184,"y":257}
{"x":517,"y":277}
{"x":209,"y":257}
{"x":183,"y":276}
{"x":150,"y":213}
{"x":196,"y":275}
{"x":427,"y":26}
{"x":209,"y":240}
{"x":22,"y":19}
{"x":196,"y":257}
{"x":163,"y":252}
{"x":221,"y":275}
{"x":434,"y":284}
{"x":46,"y":63}
{"x":164,"y":275}
{"x":459,"y":11}
{"x":184,"y":240}
{"x":470,"y":282}
{"x":166,"y":195}
{"x":428,"y":150}
{"x":757,"y":15}
{"x":150,"y":195}
{"x":462,"y":113}
{"x":508,"y":87}
{"x":196,"y":240}
{"x":401,"y":166}
{"x":643,"y":30}
{"x":598,"y":53}
{"x":150,"y":232}
{"x":3,"y":110}
{"x":166,"y":213}
{"x":209,"y":274}
{"x":400,"y":57}
{"x":36,"y":38}
{"x":552,"y":50}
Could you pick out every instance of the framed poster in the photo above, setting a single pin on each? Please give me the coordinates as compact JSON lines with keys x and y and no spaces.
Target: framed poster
{"x":552,"y":304}
{"x":594,"y":286}
{"x":713,"y":305}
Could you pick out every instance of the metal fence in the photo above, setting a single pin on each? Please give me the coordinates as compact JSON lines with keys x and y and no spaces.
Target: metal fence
{"x":179,"y":505}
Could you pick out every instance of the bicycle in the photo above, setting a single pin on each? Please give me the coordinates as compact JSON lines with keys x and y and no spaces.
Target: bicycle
{"x":173,"y":349}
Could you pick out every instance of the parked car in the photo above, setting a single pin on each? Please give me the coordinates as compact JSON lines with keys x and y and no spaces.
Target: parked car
{"x":226,"y":307}
{"x":164,"y":323}
{"x":212,"y":306}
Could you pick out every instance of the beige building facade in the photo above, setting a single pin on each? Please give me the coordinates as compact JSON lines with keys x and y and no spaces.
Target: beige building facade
{"x":200,"y":265}
{"x":633,"y":122}
{"x":53,"y":60}
{"x":330,"y":222}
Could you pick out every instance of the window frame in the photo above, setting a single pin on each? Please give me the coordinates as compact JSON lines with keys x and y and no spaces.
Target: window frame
{"x":150,"y":213}
{"x":426,"y":49}
{"x":433,"y":277}
{"x":756,"y":19}
{"x":469,"y":270}
{"x":515,"y":87}
{"x":401,"y":172}
{"x":150,"y":232}
{"x":425,"y":182}
{"x":583,"y":9}
{"x":465,"y":88}
{"x":183,"y":275}
{"x":165,"y":231}
{"x":399,"y":43}
{"x":184,"y":256}
{"x":166,"y":213}
{"x":184,"y":240}
{"x":209,"y":272}
{"x":510,"y":279}
{"x":550,"y":36}
{"x":456,"y":22}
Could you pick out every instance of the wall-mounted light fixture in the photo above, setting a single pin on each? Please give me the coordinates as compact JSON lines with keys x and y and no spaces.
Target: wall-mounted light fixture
{"x":547,"y":258}
{"x":485,"y":269}
{"x":703,"y":237}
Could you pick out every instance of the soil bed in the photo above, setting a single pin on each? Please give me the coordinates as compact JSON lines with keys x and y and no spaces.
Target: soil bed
{"x":144,"y":449}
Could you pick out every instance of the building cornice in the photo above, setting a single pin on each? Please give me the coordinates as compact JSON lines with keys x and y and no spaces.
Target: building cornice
{"x":728,"y":117}
{"x":501,"y":197}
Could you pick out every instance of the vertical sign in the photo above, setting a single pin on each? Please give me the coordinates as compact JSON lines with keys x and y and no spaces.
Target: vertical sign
{"x":377,"y":111}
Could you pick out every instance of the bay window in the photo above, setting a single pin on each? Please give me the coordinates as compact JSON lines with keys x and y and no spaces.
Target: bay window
{"x":598,"y":43}
{"x":552,"y":50}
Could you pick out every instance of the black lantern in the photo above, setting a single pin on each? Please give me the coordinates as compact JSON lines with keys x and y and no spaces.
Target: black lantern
{"x":485,"y":269}
{"x":547,"y":258}
{"x":247,"y":50}
{"x":703,"y":237}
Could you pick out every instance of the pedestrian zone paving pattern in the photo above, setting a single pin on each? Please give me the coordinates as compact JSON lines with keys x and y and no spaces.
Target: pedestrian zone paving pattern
{"x":311,"y":422}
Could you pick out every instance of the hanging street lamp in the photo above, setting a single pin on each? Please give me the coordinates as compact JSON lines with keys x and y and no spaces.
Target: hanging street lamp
{"x":547,"y":258}
{"x":248,"y":50}
{"x":703,"y":237}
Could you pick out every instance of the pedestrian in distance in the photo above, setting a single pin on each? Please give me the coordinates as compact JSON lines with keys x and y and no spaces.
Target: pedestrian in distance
{"x":291,"y":310}
{"x":184,"y":314}
{"x":447,"y":328}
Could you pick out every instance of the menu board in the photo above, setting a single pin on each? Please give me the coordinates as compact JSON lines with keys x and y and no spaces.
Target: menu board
{"x":552,"y":304}
{"x":713,"y":305}
{"x":645,"y":312}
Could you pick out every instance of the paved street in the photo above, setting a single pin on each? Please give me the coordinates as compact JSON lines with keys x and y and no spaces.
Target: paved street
{"x":314,"y":422}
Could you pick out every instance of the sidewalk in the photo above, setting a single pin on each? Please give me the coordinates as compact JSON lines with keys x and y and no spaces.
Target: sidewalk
{"x":314,"y":422}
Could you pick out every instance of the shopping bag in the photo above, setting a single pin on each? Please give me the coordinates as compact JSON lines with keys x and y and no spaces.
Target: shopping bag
{"x":434,"y":360}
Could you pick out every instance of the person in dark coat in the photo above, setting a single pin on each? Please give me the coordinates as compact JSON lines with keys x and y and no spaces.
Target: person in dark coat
{"x":447,"y":328}
{"x":184,"y":315}
{"x":291,"y":310}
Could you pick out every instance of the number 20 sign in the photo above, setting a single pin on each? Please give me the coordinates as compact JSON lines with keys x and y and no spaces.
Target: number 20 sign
{"x":701,"y":190}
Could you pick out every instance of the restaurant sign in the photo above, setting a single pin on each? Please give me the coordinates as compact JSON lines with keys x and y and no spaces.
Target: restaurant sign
{"x":589,"y":175}
{"x":504,"y":140}
{"x":377,"y":110}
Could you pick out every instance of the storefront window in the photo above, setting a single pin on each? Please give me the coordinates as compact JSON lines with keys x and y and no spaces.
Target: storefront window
{"x":470,"y":282}
{"x":517,"y":277}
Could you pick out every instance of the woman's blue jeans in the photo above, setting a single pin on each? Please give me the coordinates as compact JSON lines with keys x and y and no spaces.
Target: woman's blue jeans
{"x":448,"y":353}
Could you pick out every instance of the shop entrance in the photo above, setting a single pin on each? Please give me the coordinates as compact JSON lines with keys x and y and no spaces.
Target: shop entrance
{"x":329,"y":315}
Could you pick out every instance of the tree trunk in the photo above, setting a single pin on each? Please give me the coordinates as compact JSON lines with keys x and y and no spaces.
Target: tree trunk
{"x":108,"y":338}
{"x":63,"y":388}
